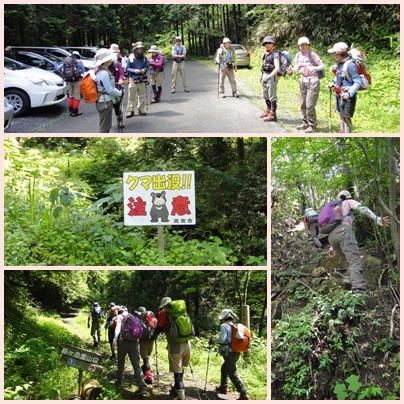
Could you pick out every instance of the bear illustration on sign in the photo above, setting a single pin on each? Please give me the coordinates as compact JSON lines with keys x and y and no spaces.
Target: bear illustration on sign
{"x":159,"y":209}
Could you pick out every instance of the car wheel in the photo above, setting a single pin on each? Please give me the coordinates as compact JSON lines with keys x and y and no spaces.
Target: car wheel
{"x":19,"y":100}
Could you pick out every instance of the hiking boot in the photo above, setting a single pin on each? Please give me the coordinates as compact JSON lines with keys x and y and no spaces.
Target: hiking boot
{"x":119,"y":122}
{"x":172,"y":91}
{"x":265,"y":113}
{"x":222,"y":95}
{"x":271,"y":117}
{"x":148,"y":377}
{"x":310,"y":129}
{"x":173,"y":391}
{"x":76,"y":114}
{"x":235,"y":95}
{"x":186,"y":90}
{"x":141,"y":391}
{"x":222,"y":389}
{"x":181,"y":394}
{"x":303,"y":126}
{"x":95,"y":344}
{"x":142,"y":113}
{"x":244,"y":396}
{"x":130,"y":114}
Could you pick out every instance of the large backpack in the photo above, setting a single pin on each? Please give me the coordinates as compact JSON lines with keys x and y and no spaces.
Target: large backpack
{"x":161,"y":53}
{"x":320,"y":73}
{"x":96,"y":313}
{"x":131,"y":329}
{"x":181,"y":327}
{"x":240,"y":337}
{"x":70,"y":70}
{"x":285,"y":60}
{"x":149,"y":323}
{"x":330,"y":216}
{"x":311,"y":215}
{"x":88,"y":86}
{"x":359,"y":58}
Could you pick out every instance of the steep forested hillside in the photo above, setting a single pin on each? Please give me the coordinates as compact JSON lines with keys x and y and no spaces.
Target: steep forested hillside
{"x":327,"y":342}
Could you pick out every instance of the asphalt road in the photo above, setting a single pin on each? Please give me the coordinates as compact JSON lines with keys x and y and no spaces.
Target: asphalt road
{"x":199,"y":111}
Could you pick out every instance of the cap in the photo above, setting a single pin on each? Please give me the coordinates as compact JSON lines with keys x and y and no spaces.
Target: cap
{"x":111,"y":304}
{"x":140,"y":310}
{"x":268,"y":39}
{"x":303,"y":40}
{"x":338,"y":47}
{"x":344,"y":193}
{"x":177,"y":39}
{"x":96,"y":304}
{"x":226,"y":40}
{"x":226,"y":313}
{"x":77,"y":54}
{"x":164,"y":301}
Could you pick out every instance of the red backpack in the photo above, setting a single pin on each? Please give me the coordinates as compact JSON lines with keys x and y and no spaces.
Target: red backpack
{"x":238,"y":344}
{"x":359,"y":58}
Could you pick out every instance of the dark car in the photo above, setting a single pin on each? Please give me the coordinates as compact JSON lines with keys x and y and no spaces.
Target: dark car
{"x":34,"y":60}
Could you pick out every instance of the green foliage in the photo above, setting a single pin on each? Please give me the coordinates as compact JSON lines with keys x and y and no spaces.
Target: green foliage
{"x":351,"y":391}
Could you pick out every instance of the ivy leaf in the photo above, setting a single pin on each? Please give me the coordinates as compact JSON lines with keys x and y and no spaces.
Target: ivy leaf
{"x":340,"y":391}
{"x":354,"y":383}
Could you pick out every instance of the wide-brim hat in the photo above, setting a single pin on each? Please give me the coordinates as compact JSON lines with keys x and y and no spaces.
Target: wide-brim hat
{"x":140,"y":310}
{"x":164,"y":301}
{"x":338,"y":47}
{"x":226,"y":40}
{"x":226,"y":313}
{"x":138,"y":45}
{"x":153,"y":48}
{"x":114,"y":48}
{"x":103,"y":55}
{"x":268,"y":39}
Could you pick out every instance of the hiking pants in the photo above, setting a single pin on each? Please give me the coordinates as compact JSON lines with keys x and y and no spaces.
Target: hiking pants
{"x":156,"y":79}
{"x":309,"y":92}
{"x":314,"y":231}
{"x":229,"y":370}
{"x":130,"y":348}
{"x":105,"y":115}
{"x":229,"y":73}
{"x":137,"y":92}
{"x":269,"y":88}
{"x":343,"y":241}
{"x":96,"y":329}
{"x":146,"y":348}
{"x":346,"y":110}
{"x":178,"y":67}
{"x":73,"y":88}
{"x":179,"y":354}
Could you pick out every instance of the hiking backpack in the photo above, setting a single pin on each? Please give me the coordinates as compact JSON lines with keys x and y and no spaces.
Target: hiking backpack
{"x":240,"y":337}
{"x":320,"y":73}
{"x":149,"y":323}
{"x":131,"y":329}
{"x":70,"y":70}
{"x":311,"y":215}
{"x":330,"y":216}
{"x":96,"y":313}
{"x":88,"y":86}
{"x":359,"y":58}
{"x":161,"y":53}
{"x":181,"y":327}
{"x":285,"y":60}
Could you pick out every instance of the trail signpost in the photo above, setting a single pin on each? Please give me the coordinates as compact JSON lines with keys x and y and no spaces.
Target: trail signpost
{"x":159,"y":198}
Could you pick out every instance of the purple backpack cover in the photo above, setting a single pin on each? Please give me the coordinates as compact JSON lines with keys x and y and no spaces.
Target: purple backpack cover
{"x":132,"y":329}
{"x":327,"y":214}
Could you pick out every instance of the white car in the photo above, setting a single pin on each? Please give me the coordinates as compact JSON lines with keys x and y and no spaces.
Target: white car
{"x":28,"y":87}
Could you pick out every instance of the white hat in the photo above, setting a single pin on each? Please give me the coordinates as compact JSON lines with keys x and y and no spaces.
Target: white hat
{"x":226,"y":313}
{"x":225,"y":40}
{"x":164,"y":301}
{"x":138,"y":45}
{"x":338,"y":47}
{"x":103,"y":55}
{"x":153,"y":48}
{"x":303,"y":40}
{"x":114,"y":48}
{"x":344,"y":193}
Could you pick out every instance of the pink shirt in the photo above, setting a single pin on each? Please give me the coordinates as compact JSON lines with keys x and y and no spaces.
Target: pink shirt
{"x":346,"y":207}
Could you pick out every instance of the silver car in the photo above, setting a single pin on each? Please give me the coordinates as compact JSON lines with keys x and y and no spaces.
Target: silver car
{"x":8,"y":113}
{"x":243,"y":56}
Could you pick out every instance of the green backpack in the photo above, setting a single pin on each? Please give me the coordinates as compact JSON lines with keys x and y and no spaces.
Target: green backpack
{"x":181,"y":327}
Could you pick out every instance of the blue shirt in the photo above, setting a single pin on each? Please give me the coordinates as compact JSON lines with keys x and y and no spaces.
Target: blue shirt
{"x":136,"y":63}
{"x":355,"y":81}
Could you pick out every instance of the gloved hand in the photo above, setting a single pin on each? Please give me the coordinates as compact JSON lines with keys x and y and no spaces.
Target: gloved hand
{"x":338,"y":90}
{"x":334,"y":69}
{"x":331,"y":85}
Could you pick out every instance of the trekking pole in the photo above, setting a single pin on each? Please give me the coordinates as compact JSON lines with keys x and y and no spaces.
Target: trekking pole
{"x":157,"y":368}
{"x":207,"y":368}
{"x":193,"y":378}
{"x":218,"y":74}
{"x":329,"y":116}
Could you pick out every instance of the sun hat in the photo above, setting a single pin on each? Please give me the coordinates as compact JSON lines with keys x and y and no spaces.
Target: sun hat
{"x":164,"y":301}
{"x":303,"y":40}
{"x":114,"y":48}
{"x":225,"y":40}
{"x":338,"y":47}
{"x":140,"y":310}
{"x":103,"y":55}
{"x":344,"y":193}
{"x":268,"y":39}
{"x":138,"y":45}
{"x":226,"y":313}
{"x":153,"y":48}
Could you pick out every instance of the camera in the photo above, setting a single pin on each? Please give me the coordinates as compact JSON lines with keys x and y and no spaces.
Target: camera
{"x":229,"y":64}
{"x":266,"y":67}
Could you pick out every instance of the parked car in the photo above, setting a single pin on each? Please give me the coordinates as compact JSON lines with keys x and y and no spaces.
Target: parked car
{"x":8,"y":113}
{"x":59,"y":52}
{"x":28,"y":87}
{"x":33,"y":59}
{"x":243,"y":56}
{"x":85,"y":51}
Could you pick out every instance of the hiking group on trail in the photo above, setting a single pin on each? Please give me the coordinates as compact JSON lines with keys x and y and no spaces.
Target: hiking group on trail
{"x":104,"y":85}
{"x":333,"y":225}
{"x":134,"y":334}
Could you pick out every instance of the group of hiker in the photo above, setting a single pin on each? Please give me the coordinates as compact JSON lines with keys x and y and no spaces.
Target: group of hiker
{"x":134,"y":335}
{"x":333,"y":225}
{"x":109,"y":77}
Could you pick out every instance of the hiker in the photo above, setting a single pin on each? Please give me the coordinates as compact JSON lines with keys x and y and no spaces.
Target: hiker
{"x":72,"y":69}
{"x":345,"y":89}
{"x":178,"y":54}
{"x":269,"y":78}
{"x":156,"y":61}
{"x":229,"y":366}
{"x":179,"y":353}
{"x":137,"y":67}
{"x":226,"y":58}
{"x":146,"y":344}
{"x":96,"y":317}
{"x":116,"y":70}
{"x":110,"y":325}
{"x":343,"y":242}
{"x":310,"y":221}
{"x":109,"y":95}
{"x":309,"y":64}
{"x":130,"y":348}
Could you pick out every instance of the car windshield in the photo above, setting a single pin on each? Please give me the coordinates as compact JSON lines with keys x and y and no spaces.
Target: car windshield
{"x":49,"y":56}
{"x":11,"y":64}
{"x":237,"y":47}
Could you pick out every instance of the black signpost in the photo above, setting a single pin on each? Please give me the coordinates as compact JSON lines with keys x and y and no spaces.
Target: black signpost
{"x":82,"y":360}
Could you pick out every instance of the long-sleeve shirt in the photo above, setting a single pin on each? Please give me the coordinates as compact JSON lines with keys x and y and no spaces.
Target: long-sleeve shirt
{"x":137,"y":63}
{"x":224,"y":338}
{"x":106,"y":85}
{"x":341,"y":79}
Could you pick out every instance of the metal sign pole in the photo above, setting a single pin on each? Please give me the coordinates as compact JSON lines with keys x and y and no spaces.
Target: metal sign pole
{"x":80,"y":381}
{"x":160,"y":232}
